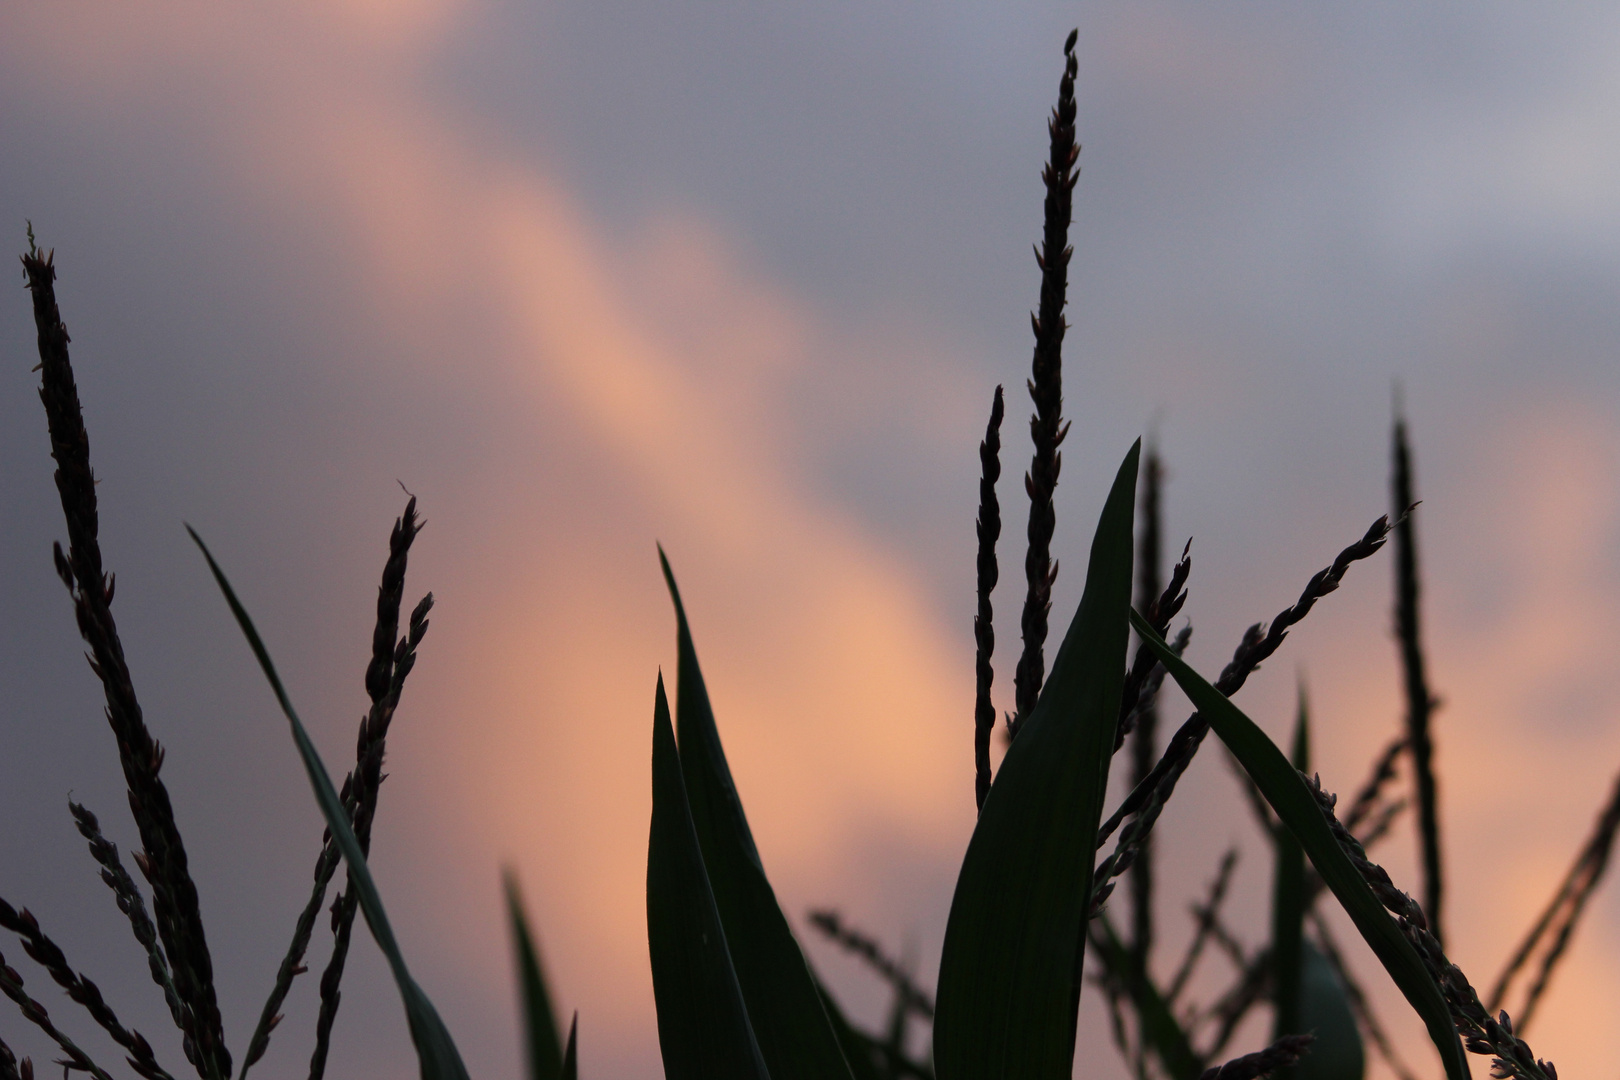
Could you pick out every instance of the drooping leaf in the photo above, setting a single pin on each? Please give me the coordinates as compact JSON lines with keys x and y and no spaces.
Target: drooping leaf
{"x":1324,"y":1010}
{"x":1010,"y":969}
{"x":435,"y":1051}
{"x":542,"y":1047}
{"x":795,"y":1035}
{"x":1289,"y":796}
{"x":703,"y":1025}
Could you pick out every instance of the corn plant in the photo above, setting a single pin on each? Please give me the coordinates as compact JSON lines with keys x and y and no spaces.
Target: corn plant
{"x":736,"y":996}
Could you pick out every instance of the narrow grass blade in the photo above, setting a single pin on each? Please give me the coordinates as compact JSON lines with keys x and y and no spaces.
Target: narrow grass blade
{"x":435,"y":1050}
{"x":570,"y":1061}
{"x":1288,"y":906}
{"x":703,"y":1024}
{"x":1289,"y":796}
{"x":544,"y":1049}
{"x":1009,"y":978}
{"x":795,"y":1036}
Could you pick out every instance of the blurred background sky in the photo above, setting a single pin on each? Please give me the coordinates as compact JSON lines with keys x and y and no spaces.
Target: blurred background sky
{"x":741,"y":278}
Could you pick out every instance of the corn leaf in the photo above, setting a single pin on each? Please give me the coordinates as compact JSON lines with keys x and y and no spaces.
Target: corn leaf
{"x":435,"y":1050}
{"x":570,"y":1061}
{"x":703,"y":1025}
{"x":541,"y":1045}
{"x":1288,"y":795}
{"x":1324,"y":1009}
{"x":1288,"y":907}
{"x":1009,"y":976}
{"x":795,"y":1035}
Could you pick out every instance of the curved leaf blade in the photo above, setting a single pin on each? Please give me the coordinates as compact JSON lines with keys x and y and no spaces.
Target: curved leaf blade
{"x":1324,"y":1010}
{"x":435,"y":1051}
{"x":703,"y":1026}
{"x":1288,"y":795}
{"x":541,"y":1045}
{"x":1009,"y":976}
{"x":796,"y":1036}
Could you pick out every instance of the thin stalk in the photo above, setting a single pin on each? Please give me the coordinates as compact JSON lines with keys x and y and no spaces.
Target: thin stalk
{"x":1206,"y":916}
{"x":894,"y":972}
{"x":1557,"y":922}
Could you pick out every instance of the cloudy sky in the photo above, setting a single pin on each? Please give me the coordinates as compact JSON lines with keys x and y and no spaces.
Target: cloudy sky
{"x":741,"y":279}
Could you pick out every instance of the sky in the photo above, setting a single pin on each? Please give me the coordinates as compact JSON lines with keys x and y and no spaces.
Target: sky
{"x":740,"y":280}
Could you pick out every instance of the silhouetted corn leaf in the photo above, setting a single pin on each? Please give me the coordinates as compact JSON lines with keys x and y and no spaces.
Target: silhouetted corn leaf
{"x":1009,"y":976}
{"x":1288,"y":795}
{"x":570,"y":1061}
{"x":795,"y":1037}
{"x":703,"y":1024}
{"x":540,"y":1042}
{"x":1288,"y":908}
{"x":435,"y":1050}
{"x":1324,"y":1011}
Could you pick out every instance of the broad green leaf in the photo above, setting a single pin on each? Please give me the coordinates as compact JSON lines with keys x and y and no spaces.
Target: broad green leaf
{"x":570,"y":1061}
{"x":1296,"y":807}
{"x":541,"y":1045}
{"x":1009,"y":973}
{"x":435,"y":1050}
{"x":702,"y":1022}
{"x":1160,"y":1030}
{"x":1288,"y":906}
{"x":1324,"y":1010}
{"x":795,"y":1035}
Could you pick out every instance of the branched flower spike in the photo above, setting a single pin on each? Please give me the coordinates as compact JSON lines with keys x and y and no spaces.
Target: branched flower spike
{"x":1481,"y":1032}
{"x":174,"y":894}
{"x":1046,"y":426}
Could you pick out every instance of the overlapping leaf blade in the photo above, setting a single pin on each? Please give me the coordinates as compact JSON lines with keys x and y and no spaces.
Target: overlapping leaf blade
{"x":794,"y":1032}
{"x":1009,"y":978}
{"x":1289,"y":796}
{"x":1324,"y":1010}
{"x":436,"y":1052}
{"x":541,"y":1045}
{"x":703,"y":1025}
